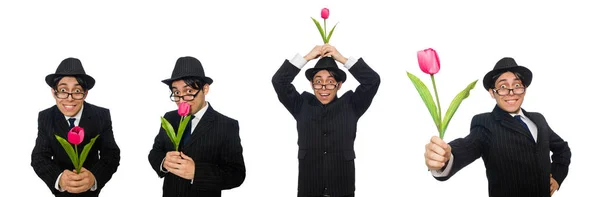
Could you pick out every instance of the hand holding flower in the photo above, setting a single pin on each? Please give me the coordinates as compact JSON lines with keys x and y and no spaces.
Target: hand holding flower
{"x":430,"y":64}
{"x":76,"y":136}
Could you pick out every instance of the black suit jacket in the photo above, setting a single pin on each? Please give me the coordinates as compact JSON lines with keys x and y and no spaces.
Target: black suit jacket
{"x":326,"y":133}
{"x":216,"y":150}
{"x":515,"y":164}
{"x":49,"y":159}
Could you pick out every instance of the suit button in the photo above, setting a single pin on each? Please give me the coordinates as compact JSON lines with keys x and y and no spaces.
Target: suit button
{"x":325,"y":134}
{"x":325,"y":152}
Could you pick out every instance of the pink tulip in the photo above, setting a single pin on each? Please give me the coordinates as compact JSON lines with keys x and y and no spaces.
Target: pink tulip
{"x":75,"y":135}
{"x":184,"y":109}
{"x":429,"y":61}
{"x":325,"y":13}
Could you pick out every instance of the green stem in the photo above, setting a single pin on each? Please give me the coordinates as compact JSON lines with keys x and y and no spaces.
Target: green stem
{"x":77,"y":154}
{"x":439,"y":126}
{"x":325,"y":29}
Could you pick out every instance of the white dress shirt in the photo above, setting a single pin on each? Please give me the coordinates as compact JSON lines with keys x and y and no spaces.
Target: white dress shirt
{"x":76,"y":123}
{"x":532,"y":128}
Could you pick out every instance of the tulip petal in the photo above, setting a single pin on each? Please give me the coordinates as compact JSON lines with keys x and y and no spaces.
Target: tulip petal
{"x":320,"y":29}
{"x":184,"y":109}
{"x":429,"y":61}
{"x":85,"y":151}
{"x":427,"y":98}
{"x":454,"y":106}
{"x":74,"y":138}
{"x":325,"y":13}
{"x":69,"y":149}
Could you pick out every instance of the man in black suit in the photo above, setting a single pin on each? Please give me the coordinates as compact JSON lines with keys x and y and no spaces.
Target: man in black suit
{"x":513,"y":143}
{"x":326,"y":124}
{"x":210,"y":153}
{"x":70,"y":86}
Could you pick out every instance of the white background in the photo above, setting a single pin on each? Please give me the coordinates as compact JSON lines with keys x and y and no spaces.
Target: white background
{"x":129,"y":47}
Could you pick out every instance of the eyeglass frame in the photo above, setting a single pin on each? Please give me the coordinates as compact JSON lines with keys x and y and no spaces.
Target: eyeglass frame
{"x":335,"y":85}
{"x":510,"y":90}
{"x":69,"y":94}
{"x":172,"y":96}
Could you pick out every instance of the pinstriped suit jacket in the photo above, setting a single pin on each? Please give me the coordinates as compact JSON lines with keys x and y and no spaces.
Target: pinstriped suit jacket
{"x":216,"y":150}
{"x":326,"y":133}
{"x":515,"y":164}
{"x":49,"y":159}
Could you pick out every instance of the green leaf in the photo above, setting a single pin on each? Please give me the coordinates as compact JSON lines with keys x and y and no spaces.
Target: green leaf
{"x":85,"y":151}
{"x":169,"y":129}
{"x":320,"y":29}
{"x":69,"y":149}
{"x":181,"y":129}
{"x":454,"y":106}
{"x":329,"y":36}
{"x":427,"y":98}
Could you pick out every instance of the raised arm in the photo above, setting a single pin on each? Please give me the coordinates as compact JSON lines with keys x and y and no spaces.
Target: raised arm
{"x":282,"y":80}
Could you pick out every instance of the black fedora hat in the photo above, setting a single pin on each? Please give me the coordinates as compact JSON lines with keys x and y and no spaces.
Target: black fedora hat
{"x":71,"y":67}
{"x":188,"y":67}
{"x":326,"y":63}
{"x":504,"y":65}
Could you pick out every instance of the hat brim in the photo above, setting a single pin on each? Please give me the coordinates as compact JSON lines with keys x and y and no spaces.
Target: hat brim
{"x":310,"y":73}
{"x":89,"y":80}
{"x":207,"y":80}
{"x":523,"y":71}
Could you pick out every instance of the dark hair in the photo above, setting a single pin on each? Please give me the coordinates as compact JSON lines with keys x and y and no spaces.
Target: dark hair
{"x":80,"y":81}
{"x":194,"y":82}
{"x":333,"y":74}
{"x":492,"y":84}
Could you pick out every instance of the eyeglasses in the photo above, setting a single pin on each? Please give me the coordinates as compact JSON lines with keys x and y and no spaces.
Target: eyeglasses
{"x":64,"y":95}
{"x":505,"y":91}
{"x":188,"y":97}
{"x":330,"y":86}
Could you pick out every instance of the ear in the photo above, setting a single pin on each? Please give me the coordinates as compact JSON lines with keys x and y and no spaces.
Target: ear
{"x":85,"y":94}
{"x":52,"y":92}
{"x":205,"y":89}
{"x":492,"y":93}
{"x":340,"y":85}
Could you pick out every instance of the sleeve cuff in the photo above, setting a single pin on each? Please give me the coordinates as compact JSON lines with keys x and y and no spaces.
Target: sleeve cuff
{"x":56,"y":186}
{"x":95,"y":186}
{"x":446,"y":171}
{"x":298,"y":61}
{"x":350,"y":62}
{"x":161,"y":166}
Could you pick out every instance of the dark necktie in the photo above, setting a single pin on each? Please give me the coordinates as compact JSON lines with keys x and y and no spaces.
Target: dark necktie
{"x":71,"y":123}
{"x":518,"y":117}
{"x":187,"y":132}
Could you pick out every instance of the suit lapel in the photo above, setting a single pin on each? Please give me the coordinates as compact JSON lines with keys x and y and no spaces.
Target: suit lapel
{"x":509,"y":122}
{"x":539,"y":123}
{"x":205,"y":124}
{"x":87,"y":124}
{"x":60,"y":123}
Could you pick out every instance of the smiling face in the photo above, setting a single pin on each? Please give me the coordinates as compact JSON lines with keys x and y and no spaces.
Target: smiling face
{"x":69,"y":106}
{"x":325,"y":86}
{"x":510,"y":102}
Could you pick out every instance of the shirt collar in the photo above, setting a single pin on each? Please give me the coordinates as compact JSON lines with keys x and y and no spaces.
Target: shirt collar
{"x":78,"y":115}
{"x":198,"y":115}
{"x":518,"y":113}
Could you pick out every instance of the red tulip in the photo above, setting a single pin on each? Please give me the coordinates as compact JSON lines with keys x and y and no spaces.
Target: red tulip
{"x":429,"y":61}
{"x":184,"y":109}
{"x":75,"y":135}
{"x":325,"y":13}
